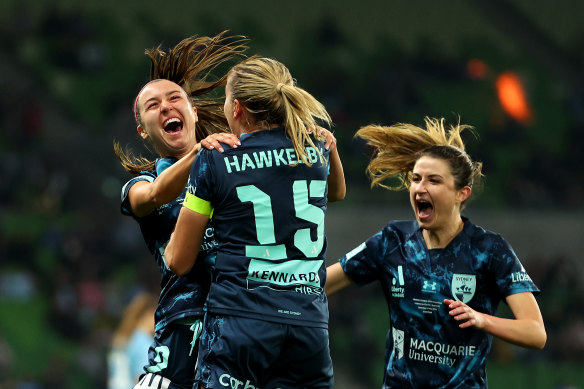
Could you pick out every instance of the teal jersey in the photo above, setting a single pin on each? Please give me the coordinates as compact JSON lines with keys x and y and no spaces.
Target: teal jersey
{"x":268,"y":216}
{"x":425,"y":347}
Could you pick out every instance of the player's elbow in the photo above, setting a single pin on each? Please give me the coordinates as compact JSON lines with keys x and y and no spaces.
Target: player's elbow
{"x":541,"y":338}
{"x":538,"y":337}
{"x":337,"y":195}
{"x":178,"y":267}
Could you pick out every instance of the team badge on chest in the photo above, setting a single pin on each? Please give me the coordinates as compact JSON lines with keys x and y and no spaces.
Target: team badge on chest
{"x":463,"y":287}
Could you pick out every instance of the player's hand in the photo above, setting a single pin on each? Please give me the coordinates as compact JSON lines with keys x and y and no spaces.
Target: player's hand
{"x":213,"y":141}
{"x":467,"y":316}
{"x":330,"y":142}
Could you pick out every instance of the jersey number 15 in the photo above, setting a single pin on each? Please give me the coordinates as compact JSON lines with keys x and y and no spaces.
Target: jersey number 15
{"x":264,"y":220}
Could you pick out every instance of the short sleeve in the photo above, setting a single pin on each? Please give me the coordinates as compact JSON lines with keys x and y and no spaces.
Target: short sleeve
{"x":125,"y":202}
{"x":361,"y":263}
{"x":510,"y":275}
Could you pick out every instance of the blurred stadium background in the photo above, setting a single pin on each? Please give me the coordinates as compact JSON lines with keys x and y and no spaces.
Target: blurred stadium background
{"x":69,"y":261}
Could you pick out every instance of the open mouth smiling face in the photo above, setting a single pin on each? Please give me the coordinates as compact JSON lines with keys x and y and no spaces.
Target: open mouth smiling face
{"x":173,"y":125}
{"x":167,"y":118}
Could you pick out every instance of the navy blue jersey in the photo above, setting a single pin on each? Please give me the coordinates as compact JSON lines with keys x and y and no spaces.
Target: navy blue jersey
{"x":268,"y":215}
{"x":425,"y":346}
{"x":180,"y":296}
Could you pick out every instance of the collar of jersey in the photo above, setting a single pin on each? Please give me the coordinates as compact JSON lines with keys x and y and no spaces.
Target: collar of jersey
{"x":244,"y":135}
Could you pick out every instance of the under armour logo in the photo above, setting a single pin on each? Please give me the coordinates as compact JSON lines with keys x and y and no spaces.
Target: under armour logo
{"x":429,"y":286}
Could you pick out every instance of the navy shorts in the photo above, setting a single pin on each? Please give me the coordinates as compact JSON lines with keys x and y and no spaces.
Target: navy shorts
{"x":243,"y":353}
{"x":173,"y":355}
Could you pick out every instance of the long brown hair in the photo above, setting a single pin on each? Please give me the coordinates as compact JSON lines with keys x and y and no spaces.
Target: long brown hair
{"x":190,"y":64}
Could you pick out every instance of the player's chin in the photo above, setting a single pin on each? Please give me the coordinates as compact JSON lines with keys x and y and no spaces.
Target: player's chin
{"x":425,"y":223}
{"x":425,"y":219}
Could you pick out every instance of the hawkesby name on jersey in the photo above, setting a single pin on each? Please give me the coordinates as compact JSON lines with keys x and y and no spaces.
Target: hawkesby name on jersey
{"x":268,"y":158}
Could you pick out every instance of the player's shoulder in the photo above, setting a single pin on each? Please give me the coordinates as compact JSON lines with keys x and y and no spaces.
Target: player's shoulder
{"x":397,"y":232}
{"x":144,"y":176}
{"x":207,"y":158}
{"x":403,"y":228}
{"x":482,"y":238}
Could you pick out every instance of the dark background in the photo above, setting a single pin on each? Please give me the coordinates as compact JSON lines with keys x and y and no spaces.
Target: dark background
{"x":69,"y":72}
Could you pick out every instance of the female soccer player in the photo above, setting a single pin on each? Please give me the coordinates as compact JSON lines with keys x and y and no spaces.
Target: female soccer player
{"x":442,"y":276}
{"x":266,"y":325}
{"x":173,"y":114}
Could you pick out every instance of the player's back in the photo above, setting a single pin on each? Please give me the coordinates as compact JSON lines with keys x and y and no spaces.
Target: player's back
{"x":268,"y":216}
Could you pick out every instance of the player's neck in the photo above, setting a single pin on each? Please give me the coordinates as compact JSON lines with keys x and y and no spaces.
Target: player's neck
{"x":439,"y":238}
{"x":259,"y":127}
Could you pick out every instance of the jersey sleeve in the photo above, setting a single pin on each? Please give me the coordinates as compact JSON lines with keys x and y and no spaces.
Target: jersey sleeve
{"x":198,"y":196}
{"x":361,"y":263}
{"x":510,"y":275}
{"x":125,"y":201}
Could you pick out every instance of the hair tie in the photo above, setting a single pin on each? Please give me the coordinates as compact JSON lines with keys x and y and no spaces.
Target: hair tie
{"x":280,"y":86}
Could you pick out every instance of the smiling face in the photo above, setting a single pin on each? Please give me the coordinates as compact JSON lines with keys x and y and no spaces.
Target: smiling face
{"x":167,"y":118}
{"x":434,"y":197}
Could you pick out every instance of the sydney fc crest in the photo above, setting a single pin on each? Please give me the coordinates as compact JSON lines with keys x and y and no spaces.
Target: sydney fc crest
{"x":463,"y":287}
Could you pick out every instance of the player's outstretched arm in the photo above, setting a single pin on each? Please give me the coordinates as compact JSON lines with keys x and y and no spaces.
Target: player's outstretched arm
{"x":145,"y":196}
{"x":336,"y":279}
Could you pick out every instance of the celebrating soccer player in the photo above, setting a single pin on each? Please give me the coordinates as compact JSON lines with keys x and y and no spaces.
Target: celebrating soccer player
{"x":443,"y":276}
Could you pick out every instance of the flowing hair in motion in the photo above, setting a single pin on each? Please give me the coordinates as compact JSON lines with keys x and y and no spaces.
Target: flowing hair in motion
{"x":190,"y":64}
{"x":398,"y":147}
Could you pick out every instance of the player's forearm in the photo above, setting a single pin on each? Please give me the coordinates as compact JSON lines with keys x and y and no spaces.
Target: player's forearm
{"x":172,"y":181}
{"x":184,"y":245}
{"x":336,"y":279}
{"x":336,"y":181}
{"x":181,"y":252}
{"x":528,"y":333}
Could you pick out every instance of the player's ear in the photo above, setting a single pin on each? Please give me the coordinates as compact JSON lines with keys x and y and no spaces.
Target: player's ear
{"x":142,"y":132}
{"x":238,"y":109}
{"x":463,"y":194}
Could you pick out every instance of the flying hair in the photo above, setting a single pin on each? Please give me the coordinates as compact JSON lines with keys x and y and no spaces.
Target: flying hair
{"x":190,"y":64}
{"x":396,"y":149}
